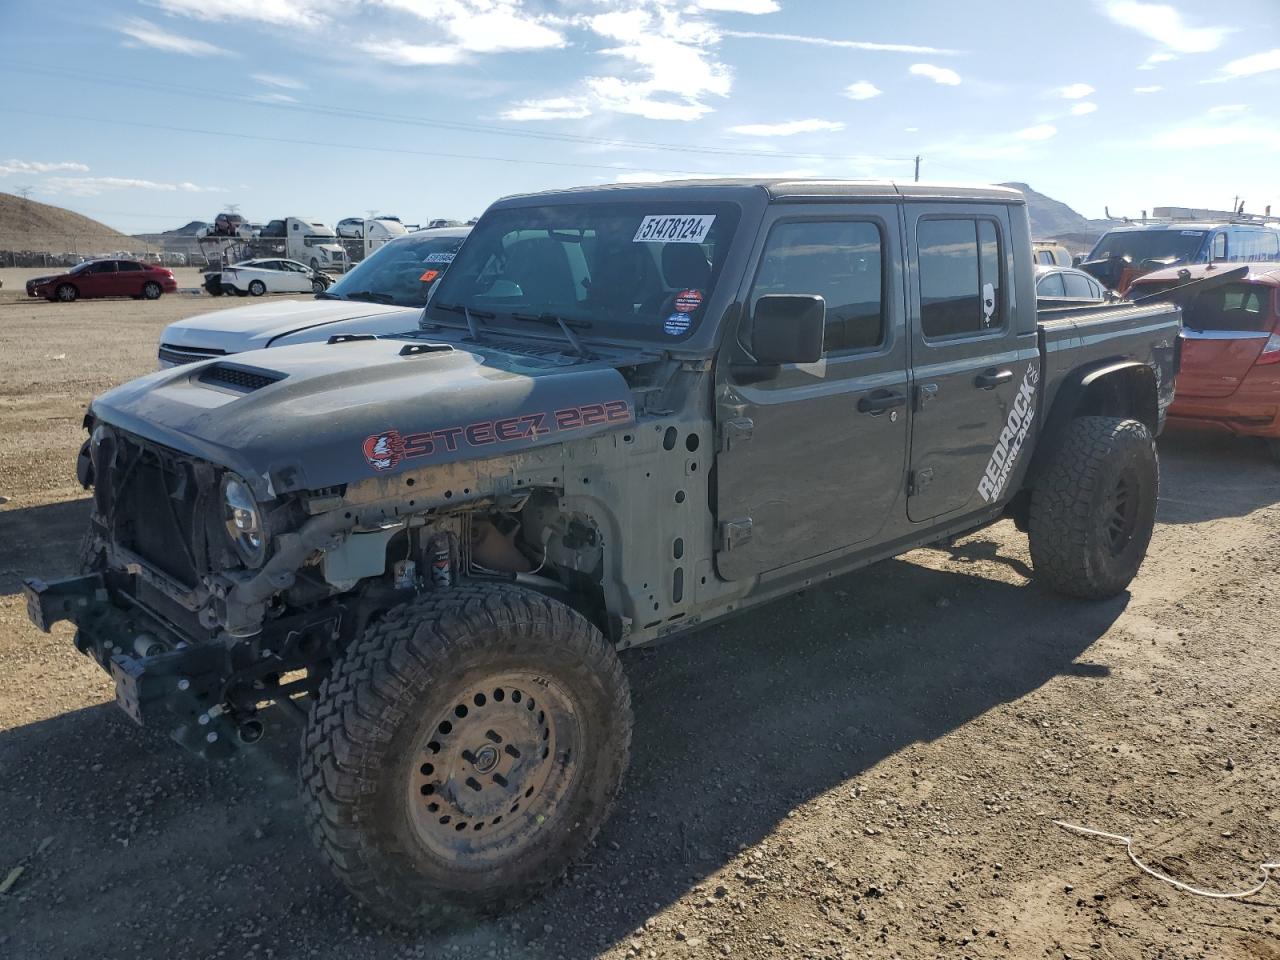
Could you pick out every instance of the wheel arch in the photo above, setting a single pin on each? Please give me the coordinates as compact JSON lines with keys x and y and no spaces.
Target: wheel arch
{"x":1110,"y":388}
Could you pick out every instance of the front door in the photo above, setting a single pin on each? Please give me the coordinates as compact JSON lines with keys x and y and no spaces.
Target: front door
{"x":975,"y":361}
{"x":813,"y":456}
{"x":99,"y":279}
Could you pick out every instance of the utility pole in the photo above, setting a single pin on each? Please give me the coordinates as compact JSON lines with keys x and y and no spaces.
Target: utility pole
{"x":917,"y":168}
{"x":24,"y":191}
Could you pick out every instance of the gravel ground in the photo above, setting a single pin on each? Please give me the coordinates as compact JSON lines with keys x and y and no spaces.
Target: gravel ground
{"x":868,"y":769}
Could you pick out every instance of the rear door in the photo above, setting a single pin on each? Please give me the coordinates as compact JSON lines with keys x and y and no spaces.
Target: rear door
{"x":975,"y":369}
{"x":812,"y":456}
{"x":1224,"y":331}
{"x":129,"y":278}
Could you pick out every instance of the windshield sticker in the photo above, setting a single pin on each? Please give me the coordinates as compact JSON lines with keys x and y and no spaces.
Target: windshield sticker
{"x":388,"y":449}
{"x":676,"y":324}
{"x":439,"y":258}
{"x":1009,"y":445}
{"x":429,"y":275}
{"x":687,"y":301}
{"x":674,"y":229}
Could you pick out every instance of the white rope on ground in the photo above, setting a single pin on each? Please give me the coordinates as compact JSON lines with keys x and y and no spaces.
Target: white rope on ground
{"x":1265,"y":868}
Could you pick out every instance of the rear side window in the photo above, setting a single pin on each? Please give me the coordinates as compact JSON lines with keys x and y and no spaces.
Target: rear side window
{"x":1051,"y":286}
{"x":1077,"y":286}
{"x":129,"y":265}
{"x":960,"y":284}
{"x":839,"y":261}
{"x":1237,"y":306}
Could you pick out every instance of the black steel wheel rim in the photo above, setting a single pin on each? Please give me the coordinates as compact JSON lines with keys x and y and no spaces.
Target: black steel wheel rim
{"x":494,"y":768}
{"x":1121,"y":510}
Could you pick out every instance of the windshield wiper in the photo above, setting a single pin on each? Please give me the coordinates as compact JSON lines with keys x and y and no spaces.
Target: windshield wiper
{"x":472,"y":327}
{"x":372,"y":295}
{"x":566,"y":327}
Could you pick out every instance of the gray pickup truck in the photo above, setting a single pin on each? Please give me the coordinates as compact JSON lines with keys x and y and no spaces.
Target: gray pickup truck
{"x":628,"y":412}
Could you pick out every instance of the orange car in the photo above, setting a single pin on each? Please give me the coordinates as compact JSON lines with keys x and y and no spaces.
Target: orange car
{"x":1230,"y":377}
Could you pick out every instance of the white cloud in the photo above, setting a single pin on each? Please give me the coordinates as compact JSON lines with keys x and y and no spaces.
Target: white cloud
{"x":553,"y":108}
{"x":274,"y":98}
{"x":787,"y":129}
{"x":1160,"y":56}
{"x":1226,"y":109}
{"x":480,"y":26}
{"x":92,"y":186}
{"x":145,"y":33}
{"x":411,"y":54}
{"x":1080,"y":109}
{"x":302,"y":13}
{"x":1040,"y":131}
{"x":862,"y":90}
{"x":1164,"y":24}
{"x":1075,"y":91}
{"x":279,"y":80}
{"x":942,"y":75}
{"x":740,"y":6}
{"x":1154,"y":88}
{"x":8,"y":167}
{"x":1251,"y":65}
{"x":843,"y":44}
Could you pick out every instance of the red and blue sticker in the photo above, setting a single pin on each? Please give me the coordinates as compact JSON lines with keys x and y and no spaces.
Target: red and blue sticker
{"x":687,"y":301}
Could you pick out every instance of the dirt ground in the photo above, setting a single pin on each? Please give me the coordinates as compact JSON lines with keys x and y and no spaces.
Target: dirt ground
{"x":869,"y":769}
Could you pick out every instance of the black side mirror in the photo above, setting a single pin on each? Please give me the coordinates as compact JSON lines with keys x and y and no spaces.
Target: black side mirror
{"x":788,"y":328}
{"x":1077,"y":259}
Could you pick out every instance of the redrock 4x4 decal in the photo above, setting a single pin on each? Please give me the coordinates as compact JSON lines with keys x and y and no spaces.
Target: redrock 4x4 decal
{"x":388,"y":449}
{"x":1014,"y":434}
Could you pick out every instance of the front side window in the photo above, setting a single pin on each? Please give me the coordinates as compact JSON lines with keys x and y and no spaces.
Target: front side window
{"x":839,"y":261}
{"x":629,"y":269}
{"x":960,"y":284}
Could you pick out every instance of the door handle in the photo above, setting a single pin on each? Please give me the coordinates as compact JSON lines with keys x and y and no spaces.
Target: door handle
{"x":880,"y":401}
{"x":990,"y":379}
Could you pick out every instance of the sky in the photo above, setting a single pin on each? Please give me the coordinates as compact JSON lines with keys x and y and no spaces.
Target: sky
{"x":146,"y":114}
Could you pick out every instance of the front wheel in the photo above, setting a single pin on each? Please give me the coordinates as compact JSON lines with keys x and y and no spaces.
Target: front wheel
{"x":464,"y":752}
{"x":151,"y":291}
{"x":317,"y":287}
{"x":257,"y":288}
{"x":66,"y":293}
{"x":1093,"y":510}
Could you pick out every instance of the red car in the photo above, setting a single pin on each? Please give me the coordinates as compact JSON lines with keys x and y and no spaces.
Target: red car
{"x":105,"y":278}
{"x":1230,"y":377}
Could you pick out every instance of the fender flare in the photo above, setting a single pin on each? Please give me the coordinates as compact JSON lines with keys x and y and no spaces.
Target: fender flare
{"x":1067,"y":401}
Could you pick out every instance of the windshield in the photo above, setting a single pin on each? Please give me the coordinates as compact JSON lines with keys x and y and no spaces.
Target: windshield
{"x":632,"y":270}
{"x":1139,"y":245}
{"x":400,"y":272}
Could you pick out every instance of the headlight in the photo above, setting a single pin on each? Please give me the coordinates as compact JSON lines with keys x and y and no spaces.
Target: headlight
{"x":243,"y":519}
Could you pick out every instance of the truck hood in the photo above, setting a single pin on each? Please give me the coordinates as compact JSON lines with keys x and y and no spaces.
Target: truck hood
{"x":248,"y":328}
{"x":318,"y":415}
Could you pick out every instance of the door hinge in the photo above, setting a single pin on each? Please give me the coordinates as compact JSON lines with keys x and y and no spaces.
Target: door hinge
{"x":734,"y":533}
{"x":737,"y":430}
{"x":918,"y":481}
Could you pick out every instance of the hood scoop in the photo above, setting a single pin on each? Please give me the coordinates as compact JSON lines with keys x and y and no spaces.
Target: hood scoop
{"x":239,"y":379}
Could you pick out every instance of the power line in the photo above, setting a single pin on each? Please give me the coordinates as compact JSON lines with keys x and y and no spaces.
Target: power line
{"x":204,"y":93}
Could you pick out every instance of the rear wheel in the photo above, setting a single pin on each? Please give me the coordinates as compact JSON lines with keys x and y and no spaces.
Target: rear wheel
{"x":1093,"y":510}
{"x":66,"y":292}
{"x":257,"y":288}
{"x":151,"y":291}
{"x":464,"y":752}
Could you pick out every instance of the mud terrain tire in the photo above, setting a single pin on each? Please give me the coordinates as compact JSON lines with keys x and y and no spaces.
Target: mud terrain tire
{"x":464,"y":752}
{"x":1093,"y":510}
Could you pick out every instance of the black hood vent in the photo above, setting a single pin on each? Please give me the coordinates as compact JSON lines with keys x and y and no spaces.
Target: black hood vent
{"x":241,"y":379}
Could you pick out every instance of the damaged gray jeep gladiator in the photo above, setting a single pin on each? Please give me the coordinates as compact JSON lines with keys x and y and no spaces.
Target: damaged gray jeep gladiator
{"x":628,"y":412}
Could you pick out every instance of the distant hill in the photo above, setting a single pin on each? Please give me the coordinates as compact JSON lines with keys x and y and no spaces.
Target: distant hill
{"x":1053,"y":220}
{"x":189,"y":230}
{"x":28,"y":225}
